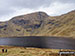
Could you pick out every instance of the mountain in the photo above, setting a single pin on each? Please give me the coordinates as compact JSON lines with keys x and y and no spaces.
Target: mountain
{"x":63,"y":25}
{"x":24,"y":25}
{"x":39,"y":24}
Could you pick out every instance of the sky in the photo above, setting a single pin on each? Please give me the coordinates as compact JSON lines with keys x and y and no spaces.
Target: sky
{"x":11,"y":8}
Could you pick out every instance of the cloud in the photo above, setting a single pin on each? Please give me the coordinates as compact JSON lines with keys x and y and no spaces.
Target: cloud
{"x":11,"y":8}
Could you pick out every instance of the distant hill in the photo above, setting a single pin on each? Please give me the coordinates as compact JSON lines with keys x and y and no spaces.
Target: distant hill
{"x":39,"y":24}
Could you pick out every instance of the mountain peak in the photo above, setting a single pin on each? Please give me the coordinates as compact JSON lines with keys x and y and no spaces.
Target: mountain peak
{"x":30,"y":21}
{"x":39,"y":24}
{"x":35,"y":15}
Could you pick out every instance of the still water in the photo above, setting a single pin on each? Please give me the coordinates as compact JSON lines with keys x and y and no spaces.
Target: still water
{"x":39,"y":42}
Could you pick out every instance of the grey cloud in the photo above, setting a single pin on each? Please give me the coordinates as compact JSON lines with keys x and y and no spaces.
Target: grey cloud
{"x":7,"y":6}
{"x":36,"y":3}
{"x":4,"y":12}
{"x":67,"y":1}
{"x":32,"y":4}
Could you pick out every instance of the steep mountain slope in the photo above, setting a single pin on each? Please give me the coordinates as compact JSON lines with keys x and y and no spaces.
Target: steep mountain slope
{"x":24,"y":25}
{"x":39,"y":24}
{"x":63,"y":25}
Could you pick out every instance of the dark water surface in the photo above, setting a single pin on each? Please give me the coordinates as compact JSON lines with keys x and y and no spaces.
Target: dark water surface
{"x":40,"y":42}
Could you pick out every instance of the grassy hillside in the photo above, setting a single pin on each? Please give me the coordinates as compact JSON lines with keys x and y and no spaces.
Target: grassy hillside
{"x":63,"y":25}
{"x":39,"y":24}
{"x":21,"y":51}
